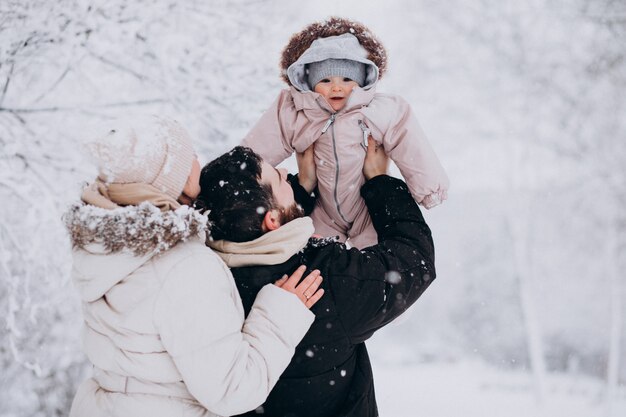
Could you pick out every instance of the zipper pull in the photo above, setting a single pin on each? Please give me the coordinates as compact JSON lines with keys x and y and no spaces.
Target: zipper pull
{"x":366,"y":133}
{"x":328,"y":123}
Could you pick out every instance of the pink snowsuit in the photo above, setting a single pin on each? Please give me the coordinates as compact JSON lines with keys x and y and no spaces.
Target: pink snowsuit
{"x":299,"y":118}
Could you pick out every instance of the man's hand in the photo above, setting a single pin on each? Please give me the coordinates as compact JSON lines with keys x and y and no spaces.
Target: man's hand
{"x":307,"y":290}
{"x":376,"y":160}
{"x":307,"y":172}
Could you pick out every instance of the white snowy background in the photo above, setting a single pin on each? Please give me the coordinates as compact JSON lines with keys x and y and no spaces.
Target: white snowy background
{"x":524,"y":101}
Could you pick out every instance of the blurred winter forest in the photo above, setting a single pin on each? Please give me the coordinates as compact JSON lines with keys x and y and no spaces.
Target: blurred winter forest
{"x":524,"y":101}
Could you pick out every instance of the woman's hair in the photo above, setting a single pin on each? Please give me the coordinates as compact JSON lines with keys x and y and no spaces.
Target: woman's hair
{"x":234,"y":197}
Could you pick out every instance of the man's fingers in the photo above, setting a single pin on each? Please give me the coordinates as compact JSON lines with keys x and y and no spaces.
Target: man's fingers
{"x":376,"y":160}
{"x":314,"y":298}
{"x":307,"y":154}
{"x":373,"y":145}
{"x":309,"y":150}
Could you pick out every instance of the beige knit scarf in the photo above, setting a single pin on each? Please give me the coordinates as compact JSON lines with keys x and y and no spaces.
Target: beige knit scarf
{"x":272,"y":248}
{"x":112,"y":196}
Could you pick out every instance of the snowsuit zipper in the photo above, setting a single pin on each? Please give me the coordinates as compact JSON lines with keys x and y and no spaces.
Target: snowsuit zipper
{"x":330,"y":124}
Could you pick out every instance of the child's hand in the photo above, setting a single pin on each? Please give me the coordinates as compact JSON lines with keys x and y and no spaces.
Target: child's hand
{"x":307,"y":172}
{"x":376,"y":160}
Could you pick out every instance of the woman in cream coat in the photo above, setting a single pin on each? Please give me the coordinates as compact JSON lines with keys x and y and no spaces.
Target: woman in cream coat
{"x":164,"y":324}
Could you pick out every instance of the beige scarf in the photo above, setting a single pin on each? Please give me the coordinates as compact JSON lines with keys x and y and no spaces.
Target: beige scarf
{"x":112,"y":196}
{"x":272,"y":248}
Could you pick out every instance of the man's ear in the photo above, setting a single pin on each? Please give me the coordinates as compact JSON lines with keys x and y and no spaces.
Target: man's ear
{"x":271,"y":221}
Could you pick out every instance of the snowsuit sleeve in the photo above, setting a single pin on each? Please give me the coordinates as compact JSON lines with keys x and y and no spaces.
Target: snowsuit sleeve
{"x":227,"y":367}
{"x":408,"y":147}
{"x":375,"y":285}
{"x":272,"y":135}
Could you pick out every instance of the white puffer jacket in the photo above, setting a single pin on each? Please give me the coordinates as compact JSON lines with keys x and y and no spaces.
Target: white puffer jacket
{"x":167,"y":335}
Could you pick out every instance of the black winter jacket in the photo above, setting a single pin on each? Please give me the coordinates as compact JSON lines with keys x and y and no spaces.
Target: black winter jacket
{"x":330,"y":374}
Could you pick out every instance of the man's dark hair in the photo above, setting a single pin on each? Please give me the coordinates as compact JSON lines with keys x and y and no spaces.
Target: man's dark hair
{"x":232,"y":191}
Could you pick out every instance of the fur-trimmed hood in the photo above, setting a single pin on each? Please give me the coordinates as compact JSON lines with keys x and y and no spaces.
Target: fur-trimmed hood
{"x":344,"y":46}
{"x":111,"y":244}
{"x":138,"y":229}
{"x":334,"y":26}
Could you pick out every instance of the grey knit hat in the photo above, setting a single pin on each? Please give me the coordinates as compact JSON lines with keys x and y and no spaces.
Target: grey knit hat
{"x":150,"y":150}
{"x":317,"y":71}
{"x":344,"y":49}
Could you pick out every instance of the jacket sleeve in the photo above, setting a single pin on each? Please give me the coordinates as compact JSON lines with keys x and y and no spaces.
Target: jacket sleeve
{"x":229,"y":365}
{"x":409,"y":148}
{"x":375,"y":285}
{"x":272,"y":135}
{"x":302,"y":196}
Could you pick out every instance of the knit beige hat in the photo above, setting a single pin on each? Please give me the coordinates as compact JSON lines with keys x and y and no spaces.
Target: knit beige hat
{"x":151,"y":150}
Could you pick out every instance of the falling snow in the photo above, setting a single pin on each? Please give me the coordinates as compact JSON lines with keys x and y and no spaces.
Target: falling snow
{"x":533,"y":186}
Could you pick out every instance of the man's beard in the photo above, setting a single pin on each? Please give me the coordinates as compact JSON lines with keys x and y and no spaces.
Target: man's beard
{"x":295,"y":211}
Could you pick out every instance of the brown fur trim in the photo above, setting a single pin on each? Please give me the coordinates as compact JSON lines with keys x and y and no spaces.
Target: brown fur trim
{"x":139,"y":229}
{"x":334,"y":26}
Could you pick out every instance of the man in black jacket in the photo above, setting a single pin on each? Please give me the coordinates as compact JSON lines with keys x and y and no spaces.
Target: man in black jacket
{"x":258,"y":229}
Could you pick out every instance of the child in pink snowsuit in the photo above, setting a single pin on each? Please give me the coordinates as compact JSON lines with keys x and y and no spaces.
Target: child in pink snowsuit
{"x":333,"y":103}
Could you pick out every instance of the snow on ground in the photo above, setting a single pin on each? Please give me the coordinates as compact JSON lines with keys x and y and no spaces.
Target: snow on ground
{"x":473,"y":389}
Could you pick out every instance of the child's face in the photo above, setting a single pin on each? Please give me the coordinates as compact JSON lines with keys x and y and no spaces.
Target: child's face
{"x":335,"y":90}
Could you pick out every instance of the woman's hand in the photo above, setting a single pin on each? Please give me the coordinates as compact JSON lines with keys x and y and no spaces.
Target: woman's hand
{"x":307,"y":172}
{"x":376,"y":160}
{"x":307,"y":290}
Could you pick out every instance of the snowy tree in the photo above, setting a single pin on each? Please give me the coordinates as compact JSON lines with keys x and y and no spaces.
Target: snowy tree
{"x":522,"y":101}
{"x":63,"y":66}
{"x":607,"y":70}
{"x":548,"y":126}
